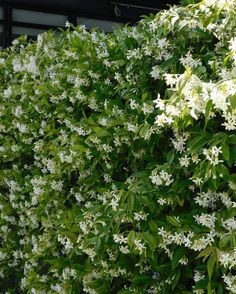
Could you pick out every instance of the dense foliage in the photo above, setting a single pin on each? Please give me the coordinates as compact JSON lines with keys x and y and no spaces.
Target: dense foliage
{"x":118,"y":156}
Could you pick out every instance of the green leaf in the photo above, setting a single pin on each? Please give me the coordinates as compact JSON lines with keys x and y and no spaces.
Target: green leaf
{"x":232,"y":100}
{"x":169,"y":62}
{"x":144,"y":130}
{"x":139,"y":280}
{"x":220,"y":289}
{"x":151,"y":241}
{"x":208,"y":111}
{"x":197,"y":142}
{"x":79,"y":147}
{"x":99,"y":286}
{"x":153,"y":226}
{"x":144,"y":96}
{"x":177,"y":255}
{"x":97,"y":244}
{"x":173,"y":221}
{"x":225,"y":149}
{"x":176,"y":278}
{"x":131,"y":238}
{"x":225,"y":172}
{"x":100,"y":132}
{"x":205,"y":253}
{"x":232,"y":139}
{"x":170,"y":156}
{"x":140,"y":174}
{"x":202,"y":284}
{"x":224,"y":241}
{"x":210,"y":267}
{"x":228,"y":58}
{"x":130,"y":203}
{"x":233,"y":241}
{"x":233,"y":153}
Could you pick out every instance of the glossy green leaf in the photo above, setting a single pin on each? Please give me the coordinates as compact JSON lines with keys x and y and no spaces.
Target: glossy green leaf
{"x":150,"y":239}
{"x":131,"y":238}
{"x":173,"y":221}
{"x":179,"y":252}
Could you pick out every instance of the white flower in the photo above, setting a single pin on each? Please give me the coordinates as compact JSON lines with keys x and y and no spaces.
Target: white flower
{"x":56,"y":288}
{"x":114,"y":203}
{"x":57,"y":185}
{"x":133,"y":104}
{"x":107,"y":178}
{"x":153,"y":25}
{"x":184,"y":161}
{"x":226,"y":200}
{"x":31,"y":66}
{"x":68,"y":273}
{"x":3,"y":255}
{"x":230,"y":121}
{"x":172,"y":110}
{"x":119,"y":238}
{"x":212,"y":155}
{"x":156,"y":72}
{"x":134,"y":54}
{"x":139,"y":246}
{"x":22,"y":128}
{"x":163,"y":119}
{"x":50,"y":165}
{"x":84,"y":227}
{"x":147,"y":108}
{"x":38,"y":191}
{"x":80,"y":131}
{"x":207,"y":220}
{"x":118,"y":77}
{"x":197,"y":181}
{"x":171,"y":79}
{"x":219,"y":99}
{"x":203,"y":242}
{"x":232,"y":43}
{"x":229,"y":224}
{"x":228,"y":259}
{"x":183,"y":260}
{"x":159,"y":103}
{"x":124,"y":249}
{"x":198,"y":276}
{"x":195,"y":159}
{"x":67,"y":24}
{"x":140,"y":216}
{"x":8,"y":92}
{"x":162,"y":43}
{"x":163,"y":178}
{"x":131,"y":127}
{"x":189,"y":61}
{"x":232,"y":185}
{"x":230,"y":281}
{"x":161,"y":201}
{"x":18,"y":111}
{"x":179,"y":141}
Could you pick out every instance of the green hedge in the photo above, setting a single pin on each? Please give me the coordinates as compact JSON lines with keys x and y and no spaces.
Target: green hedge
{"x":117,"y":157}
